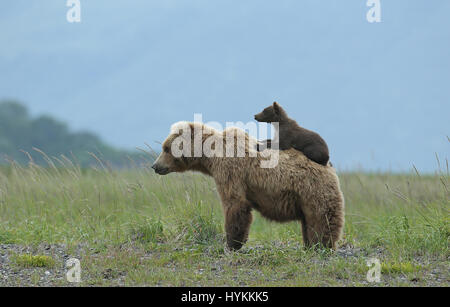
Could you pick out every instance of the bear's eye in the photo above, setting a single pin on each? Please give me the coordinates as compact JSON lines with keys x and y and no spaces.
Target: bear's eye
{"x":166,"y":149}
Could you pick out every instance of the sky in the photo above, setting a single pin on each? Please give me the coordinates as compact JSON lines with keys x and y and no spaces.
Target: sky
{"x":378,"y":93}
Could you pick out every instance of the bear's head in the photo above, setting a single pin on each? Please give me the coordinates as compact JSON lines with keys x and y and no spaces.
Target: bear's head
{"x":182,"y":149}
{"x":271,"y":114}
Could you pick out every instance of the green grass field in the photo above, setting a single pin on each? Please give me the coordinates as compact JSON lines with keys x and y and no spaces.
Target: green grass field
{"x":133,"y":227}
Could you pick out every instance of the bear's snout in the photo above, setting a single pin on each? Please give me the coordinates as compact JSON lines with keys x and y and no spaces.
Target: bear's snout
{"x":160,"y":170}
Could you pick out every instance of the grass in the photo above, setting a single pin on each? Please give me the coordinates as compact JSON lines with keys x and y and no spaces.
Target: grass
{"x":137,"y":228}
{"x":33,"y":261}
{"x":402,"y":267}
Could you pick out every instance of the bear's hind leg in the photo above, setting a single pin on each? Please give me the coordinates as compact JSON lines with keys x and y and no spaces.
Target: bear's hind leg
{"x":322,"y":231}
{"x":304,"y":231}
{"x":238,"y":218}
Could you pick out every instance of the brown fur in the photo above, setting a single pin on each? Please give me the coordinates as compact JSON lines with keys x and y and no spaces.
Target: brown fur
{"x":291,"y":135}
{"x":296,"y":189}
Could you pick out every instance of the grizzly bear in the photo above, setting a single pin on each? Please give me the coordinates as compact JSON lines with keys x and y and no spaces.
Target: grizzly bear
{"x":296,"y":189}
{"x":291,"y":135}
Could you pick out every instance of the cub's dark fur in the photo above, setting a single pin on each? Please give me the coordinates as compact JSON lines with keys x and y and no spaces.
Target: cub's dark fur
{"x":292,"y":135}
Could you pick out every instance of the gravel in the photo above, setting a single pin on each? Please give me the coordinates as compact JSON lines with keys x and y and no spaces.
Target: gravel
{"x":13,"y":275}
{"x":435,"y":273}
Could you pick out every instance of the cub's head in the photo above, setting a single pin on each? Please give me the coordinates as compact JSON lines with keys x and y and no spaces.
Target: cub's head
{"x":271,"y":114}
{"x":179,"y":152}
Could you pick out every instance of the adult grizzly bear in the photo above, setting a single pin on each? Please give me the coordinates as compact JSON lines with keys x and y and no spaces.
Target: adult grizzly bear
{"x":295,"y":189}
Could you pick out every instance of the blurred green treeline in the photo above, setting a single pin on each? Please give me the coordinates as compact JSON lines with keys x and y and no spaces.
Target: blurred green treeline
{"x":24,"y":138}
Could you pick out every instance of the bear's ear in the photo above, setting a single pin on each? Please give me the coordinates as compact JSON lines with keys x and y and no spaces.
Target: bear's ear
{"x":276,"y":108}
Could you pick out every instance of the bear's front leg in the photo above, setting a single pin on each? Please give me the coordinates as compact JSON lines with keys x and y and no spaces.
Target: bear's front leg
{"x":238,"y":217}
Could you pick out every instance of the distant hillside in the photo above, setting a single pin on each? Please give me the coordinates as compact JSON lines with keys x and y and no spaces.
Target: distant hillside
{"x":22,"y":137}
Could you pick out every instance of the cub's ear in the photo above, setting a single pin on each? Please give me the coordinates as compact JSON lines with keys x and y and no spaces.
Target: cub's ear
{"x":276,"y":107}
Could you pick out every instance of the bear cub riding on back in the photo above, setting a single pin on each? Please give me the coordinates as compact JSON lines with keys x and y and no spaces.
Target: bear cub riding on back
{"x":291,"y":135}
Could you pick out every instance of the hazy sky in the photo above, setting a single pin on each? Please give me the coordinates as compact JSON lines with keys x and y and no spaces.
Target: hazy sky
{"x":379,"y":93}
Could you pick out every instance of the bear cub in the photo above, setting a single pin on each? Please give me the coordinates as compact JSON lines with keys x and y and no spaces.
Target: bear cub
{"x":292,"y":135}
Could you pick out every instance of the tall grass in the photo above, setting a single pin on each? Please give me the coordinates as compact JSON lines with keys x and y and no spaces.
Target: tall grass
{"x":407,"y":215}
